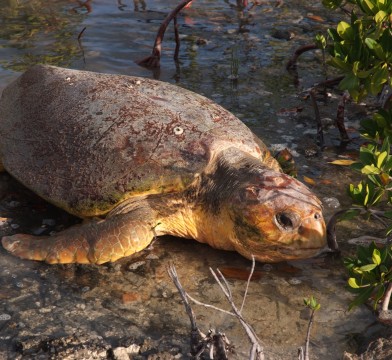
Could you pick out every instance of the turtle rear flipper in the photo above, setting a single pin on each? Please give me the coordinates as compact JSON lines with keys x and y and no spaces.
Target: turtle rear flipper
{"x":90,"y":243}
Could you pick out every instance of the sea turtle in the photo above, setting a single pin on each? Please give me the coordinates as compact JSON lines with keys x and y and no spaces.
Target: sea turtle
{"x":144,"y":158}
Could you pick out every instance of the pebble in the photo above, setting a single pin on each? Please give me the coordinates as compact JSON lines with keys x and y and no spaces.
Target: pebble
{"x":267,"y":267}
{"x":49,"y":222}
{"x":294,"y":281}
{"x":14,"y":204}
{"x":152,"y":257}
{"x":15,"y":226}
{"x":136,"y":265}
{"x":331,"y":202}
{"x":39,"y":230}
{"x":120,"y":353}
{"x":5,"y":317}
{"x":282,"y":34}
{"x":45,"y":310}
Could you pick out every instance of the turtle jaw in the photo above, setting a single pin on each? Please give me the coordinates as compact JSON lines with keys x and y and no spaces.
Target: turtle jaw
{"x":271,"y":252}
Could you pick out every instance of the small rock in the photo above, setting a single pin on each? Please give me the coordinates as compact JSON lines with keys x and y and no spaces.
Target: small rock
{"x":294,"y":281}
{"x":5,"y":317}
{"x":282,"y":34}
{"x":39,"y":230}
{"x":49,"y":222}
{"x":327,"y":122}
{"x":45,"y":310}
{"x":136,"y":265}
{"x":15,"y":226}
{"x":133,"y":349}
{"x":331,"y":202}
{"x":81,"y":306}
{"x":201,"y":41}
{"x":152,"y":257}
{"x":120,"y":353}
{"x":14,"y":204}
{"x":267,"y":267}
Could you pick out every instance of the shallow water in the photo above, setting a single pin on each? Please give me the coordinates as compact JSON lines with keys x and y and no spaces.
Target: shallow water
{"x":134,"y":297}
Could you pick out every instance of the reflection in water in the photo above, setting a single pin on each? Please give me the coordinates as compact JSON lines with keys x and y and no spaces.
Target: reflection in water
{"x":29,"y":23}
{"x":84,"y":6}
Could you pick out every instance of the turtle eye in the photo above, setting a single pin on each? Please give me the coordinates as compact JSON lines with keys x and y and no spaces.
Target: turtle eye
{"x":286,"y":221}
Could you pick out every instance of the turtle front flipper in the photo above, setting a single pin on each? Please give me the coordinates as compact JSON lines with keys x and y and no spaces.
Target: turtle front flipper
{"x":94,"y":242}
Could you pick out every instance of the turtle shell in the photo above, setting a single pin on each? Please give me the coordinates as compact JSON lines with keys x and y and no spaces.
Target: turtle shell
{"x":86,"y":141}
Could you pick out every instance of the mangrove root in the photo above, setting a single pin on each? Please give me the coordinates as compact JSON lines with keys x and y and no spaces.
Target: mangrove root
{"x":153,"y":61}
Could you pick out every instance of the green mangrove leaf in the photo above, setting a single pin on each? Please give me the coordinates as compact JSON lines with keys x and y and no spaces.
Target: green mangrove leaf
{"x":376,"y":257}
{"x":368,"y":267}
{"x":370,"y":169}
{"x":345,"y":31}
{"x":353,"y":283}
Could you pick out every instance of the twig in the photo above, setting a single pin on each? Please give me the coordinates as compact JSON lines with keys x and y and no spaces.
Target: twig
{"x":80,"y":43}
{"x":177,"y":37}
{"x":248,"y":282}
{"x":292,"y":63}
{"x":387,"y":297}
{"x":329,"y":82}
{"x":331,"y":230}
{"x":217,"y":342}
{"x":197,"y":302}
{"x":81,"y":33}
{"x":197,"y":336}
{"x":340,"y":118}
{"x":153,"y":61}
{"x":301,"y":353}
{"x":306,"y":354}
{"x":256,"y":352}
{"x":320,"y":134}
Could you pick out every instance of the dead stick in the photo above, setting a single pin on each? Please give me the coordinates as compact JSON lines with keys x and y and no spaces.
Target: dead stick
{"x":248,"y":282}
{"x":197,"y":302}
{"x":153,"y":61}
{"x":340,"y":118}
{"x":256,"y":352}
{"x":387,"y":297}
{"x":177,"y":37}
{"x":292,"y":63}
{"x":197,"y":336}
{"x":80,"y":43}
{"x":320,"y":134}
{"x":308,"y":335}
{"x":329,"y":82}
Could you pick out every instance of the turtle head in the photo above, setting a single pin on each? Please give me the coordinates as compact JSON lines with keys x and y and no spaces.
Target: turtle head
{"x":277,"y":218}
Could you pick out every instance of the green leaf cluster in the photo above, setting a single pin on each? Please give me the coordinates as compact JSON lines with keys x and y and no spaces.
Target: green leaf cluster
{"x":375,"y":162}
{"x":370,"y":273}
{"x":362,"y":48}
{"x":312,"y":303}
